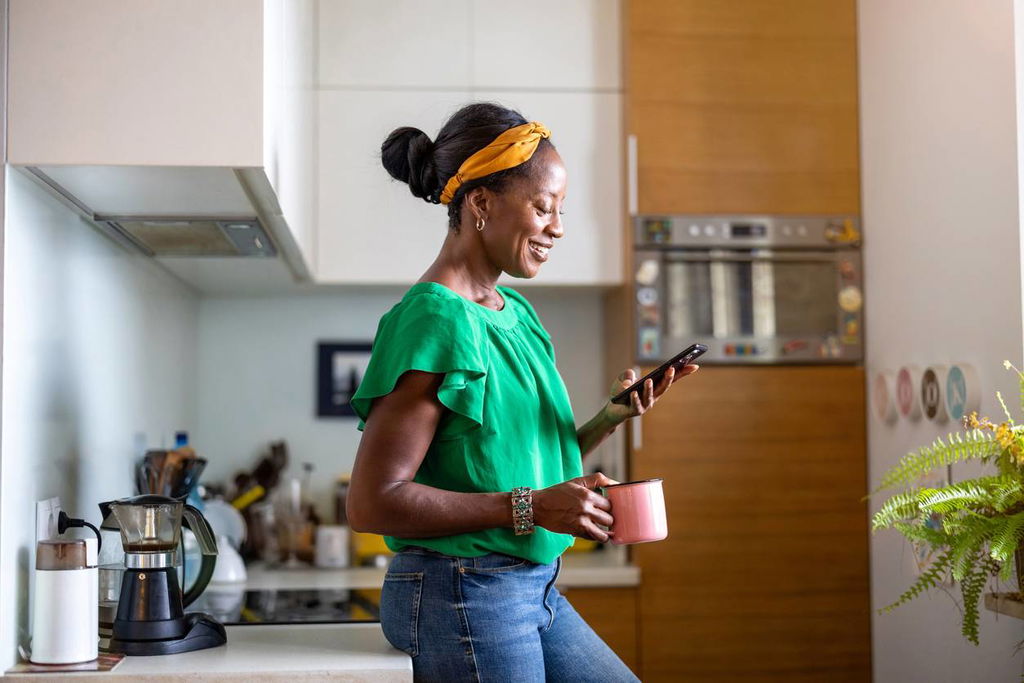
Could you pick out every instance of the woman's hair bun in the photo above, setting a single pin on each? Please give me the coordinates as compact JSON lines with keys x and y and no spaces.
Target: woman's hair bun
{"x":408,"y":155}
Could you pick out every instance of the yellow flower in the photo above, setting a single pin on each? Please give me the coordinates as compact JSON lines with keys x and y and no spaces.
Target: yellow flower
{"x":1017,"y":451}
{"x":971,"y":421}
{"x":1004,"y":435}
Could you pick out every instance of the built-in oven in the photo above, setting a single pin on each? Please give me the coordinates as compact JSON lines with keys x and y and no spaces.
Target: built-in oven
{"x":754,"y":289}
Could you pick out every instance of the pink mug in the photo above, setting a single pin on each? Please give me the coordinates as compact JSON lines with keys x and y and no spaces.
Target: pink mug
{"x":638,"y":510}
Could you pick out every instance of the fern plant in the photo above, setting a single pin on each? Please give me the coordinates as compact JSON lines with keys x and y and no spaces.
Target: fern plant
{"x":973,"y":528}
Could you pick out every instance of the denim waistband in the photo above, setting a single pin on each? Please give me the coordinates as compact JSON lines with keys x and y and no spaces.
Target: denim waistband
{"x":487,"y":561}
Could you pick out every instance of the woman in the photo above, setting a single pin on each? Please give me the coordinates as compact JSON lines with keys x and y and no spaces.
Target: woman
{"x":470,"y":460}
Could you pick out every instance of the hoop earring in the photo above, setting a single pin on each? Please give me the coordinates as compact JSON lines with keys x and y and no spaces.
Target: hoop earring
{"x":480,"y":222}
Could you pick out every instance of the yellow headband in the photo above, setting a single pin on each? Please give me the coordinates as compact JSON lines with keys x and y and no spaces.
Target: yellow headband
{"x":513,"y":147}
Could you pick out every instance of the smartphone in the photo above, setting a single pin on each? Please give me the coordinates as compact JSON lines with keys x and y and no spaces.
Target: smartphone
{"x":686,"y":356}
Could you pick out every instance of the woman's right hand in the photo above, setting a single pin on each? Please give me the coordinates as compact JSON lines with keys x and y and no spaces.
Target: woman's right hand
{"x":573,"y":507}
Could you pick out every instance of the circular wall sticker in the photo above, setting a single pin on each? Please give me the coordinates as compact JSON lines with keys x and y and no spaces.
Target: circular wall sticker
{"x":962,"y":392}
{"x":883,"y":396}
{"x":908,"y":392}
{"x":850,"y":299}
{"x":933,"y":384}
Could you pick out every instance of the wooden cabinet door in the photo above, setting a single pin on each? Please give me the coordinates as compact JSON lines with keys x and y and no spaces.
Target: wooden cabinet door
{"x":743,"y":106}
{"x":764,"y":575}
{"x":612,"y":613}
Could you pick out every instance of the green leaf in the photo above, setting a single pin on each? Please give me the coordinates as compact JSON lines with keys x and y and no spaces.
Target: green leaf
{"x":1006,"y":537}
{"x":920,"y":532}
{"x":971,"y":589}
{"x":900,"y":507}
{"x":975,"y":444}
{"x":928,"y":579}
{"x":999,"y":492}
{"x":966,"y":546}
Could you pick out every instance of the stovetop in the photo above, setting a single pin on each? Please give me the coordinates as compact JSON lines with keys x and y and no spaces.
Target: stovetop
{"x":318,"y":606}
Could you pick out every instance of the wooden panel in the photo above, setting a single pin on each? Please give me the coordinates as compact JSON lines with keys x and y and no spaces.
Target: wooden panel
{"x":612,"y":613}
{"x":764,"y":575}
{"x":743,"y":106}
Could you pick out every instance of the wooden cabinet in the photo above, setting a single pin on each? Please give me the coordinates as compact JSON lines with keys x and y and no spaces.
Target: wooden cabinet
{"x":613,"y":614}
{"x":743,"y":106}
{"x":385,"y":65}
{"x":764,"y":575}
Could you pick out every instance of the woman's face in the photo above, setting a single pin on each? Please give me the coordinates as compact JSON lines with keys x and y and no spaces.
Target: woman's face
{"x":524,"y":220}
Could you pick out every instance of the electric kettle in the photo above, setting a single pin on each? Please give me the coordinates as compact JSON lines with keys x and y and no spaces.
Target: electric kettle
{"x":150,"y":618}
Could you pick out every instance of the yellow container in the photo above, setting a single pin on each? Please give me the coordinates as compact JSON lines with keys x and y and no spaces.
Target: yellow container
{"x":367,"y":546}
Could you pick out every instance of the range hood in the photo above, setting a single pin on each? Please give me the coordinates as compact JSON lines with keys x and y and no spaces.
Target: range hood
{"x":191,"y":142}
{"x":142,"y":208}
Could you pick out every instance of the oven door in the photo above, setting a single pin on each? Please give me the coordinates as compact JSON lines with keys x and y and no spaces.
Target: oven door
{"x":750,"y":305}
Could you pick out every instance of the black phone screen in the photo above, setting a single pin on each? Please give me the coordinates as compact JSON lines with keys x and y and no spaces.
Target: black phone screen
{"x":688,"y":355}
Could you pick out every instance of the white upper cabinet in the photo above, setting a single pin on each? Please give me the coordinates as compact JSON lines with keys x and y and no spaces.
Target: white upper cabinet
{"x":541,"y":44}
{"x":403,"y":63}
{"x":394,"y":43}
{"x":586,"y":128}
{"x":163,"y":94}
{"x":372,"y":229}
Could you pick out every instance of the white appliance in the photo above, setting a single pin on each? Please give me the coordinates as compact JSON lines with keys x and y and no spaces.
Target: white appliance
{"x":64,"y":606}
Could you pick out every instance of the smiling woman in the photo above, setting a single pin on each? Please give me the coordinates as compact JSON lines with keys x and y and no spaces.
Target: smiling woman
{"x":470,"y":459}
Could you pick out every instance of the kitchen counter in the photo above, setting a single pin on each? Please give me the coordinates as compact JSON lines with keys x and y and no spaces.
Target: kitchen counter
{"x":603,"y":569}
{"x":292,"y":652}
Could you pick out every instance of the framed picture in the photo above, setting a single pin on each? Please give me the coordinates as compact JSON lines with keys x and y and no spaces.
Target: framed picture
{"x":340,"y":367}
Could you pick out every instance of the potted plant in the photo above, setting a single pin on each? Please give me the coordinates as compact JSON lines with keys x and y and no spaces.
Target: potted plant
{"x":974,"y":527}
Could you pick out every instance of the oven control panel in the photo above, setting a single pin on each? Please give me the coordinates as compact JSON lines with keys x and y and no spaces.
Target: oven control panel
{"x":756,"y":231}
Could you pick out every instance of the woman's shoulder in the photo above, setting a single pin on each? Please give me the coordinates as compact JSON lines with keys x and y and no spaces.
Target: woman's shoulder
{"x":428,"y":308}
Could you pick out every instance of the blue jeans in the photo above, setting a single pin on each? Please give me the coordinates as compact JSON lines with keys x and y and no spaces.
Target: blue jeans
{"x":490,"y":618}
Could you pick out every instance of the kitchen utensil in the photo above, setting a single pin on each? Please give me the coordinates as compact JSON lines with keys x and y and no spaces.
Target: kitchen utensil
{"x":150,"y":610}
{"x":638,"y":511}
{"x":64,"y":604}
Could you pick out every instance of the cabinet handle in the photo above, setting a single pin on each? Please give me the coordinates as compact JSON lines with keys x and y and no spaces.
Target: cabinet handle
{"x":631,"y":172}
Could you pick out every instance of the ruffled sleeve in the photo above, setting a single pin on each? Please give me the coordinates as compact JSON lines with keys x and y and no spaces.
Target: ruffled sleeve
{"x":435,"y":334}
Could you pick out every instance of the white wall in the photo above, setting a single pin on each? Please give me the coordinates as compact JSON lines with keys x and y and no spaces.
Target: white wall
{"x":99,"y":345}
{"x":257,"y":362}
{"x":942,"y":273}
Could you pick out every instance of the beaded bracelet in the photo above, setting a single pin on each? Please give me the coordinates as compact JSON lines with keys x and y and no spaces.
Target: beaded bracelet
{"x":522,"y":510}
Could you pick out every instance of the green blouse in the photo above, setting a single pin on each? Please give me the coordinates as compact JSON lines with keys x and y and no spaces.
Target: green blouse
{"x":509,"y":421}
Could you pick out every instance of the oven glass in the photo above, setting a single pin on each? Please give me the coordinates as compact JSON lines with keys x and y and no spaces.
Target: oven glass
{"x":806,"y":298}
{"x":732,"y":294}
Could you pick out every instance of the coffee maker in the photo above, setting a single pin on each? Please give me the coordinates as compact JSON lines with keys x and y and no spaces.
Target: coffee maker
{"x":151,"y":619}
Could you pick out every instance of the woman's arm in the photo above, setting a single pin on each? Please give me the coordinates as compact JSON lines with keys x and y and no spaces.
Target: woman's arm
{"x":601,"y":426}
{"x":384,"y":499}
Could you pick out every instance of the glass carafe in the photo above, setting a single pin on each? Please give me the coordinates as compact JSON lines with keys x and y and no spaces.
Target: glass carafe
{"x":149,"y":524}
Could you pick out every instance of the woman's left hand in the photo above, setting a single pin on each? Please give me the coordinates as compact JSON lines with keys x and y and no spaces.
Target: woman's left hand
{"x":643,"y":400}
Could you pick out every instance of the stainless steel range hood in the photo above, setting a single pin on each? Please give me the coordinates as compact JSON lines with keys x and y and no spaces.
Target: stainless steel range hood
{"x":229,"y":225}
{"x":191,"y":235}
